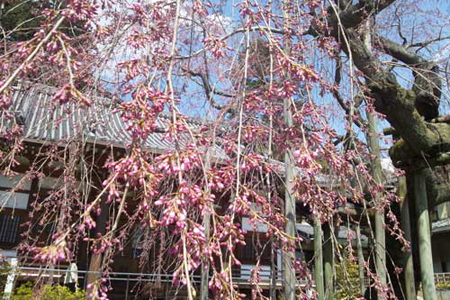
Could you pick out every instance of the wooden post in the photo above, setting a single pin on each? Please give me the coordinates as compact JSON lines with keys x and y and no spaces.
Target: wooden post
{"x":204,"y":288}
{"x":362,"y":285}
{"x":289,"y":210}
{"x":328,"y":260}
{"x":410,"y":288}
{"x":288,"y":256}
{"x":318,"y":259}
{"x":423,"y":228}
{"x":95,"y":262}
{"x":380,"y":233}
{"x":204,"y":284}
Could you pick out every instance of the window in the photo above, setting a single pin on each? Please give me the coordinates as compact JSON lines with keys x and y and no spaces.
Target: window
{"x":18,"y":199}
{"x":13,"y":200}
{"x":9,"y":228}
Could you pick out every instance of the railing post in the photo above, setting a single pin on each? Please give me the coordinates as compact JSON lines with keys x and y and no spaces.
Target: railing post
{"x":128,"y":286}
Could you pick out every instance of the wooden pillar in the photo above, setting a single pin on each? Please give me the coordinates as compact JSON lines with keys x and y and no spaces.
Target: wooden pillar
{"x":424,"y":234}
{"x":289,"y":210}
{"x":204,"y":284}
{"x":380,"y":233}
{"x":318,"y":259}
{"x":95,"y":263}
{"x":362,"y":284}
{"x":328,"y":260}
{"x":204,"y":288}
{"x":410,"y":289}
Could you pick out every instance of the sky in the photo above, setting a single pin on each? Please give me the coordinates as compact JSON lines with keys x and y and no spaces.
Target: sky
{"x":419,"y":22}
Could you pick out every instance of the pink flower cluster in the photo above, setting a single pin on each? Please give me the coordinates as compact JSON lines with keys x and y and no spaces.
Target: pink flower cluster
{"x":80,"y":10}
{"x":53,"y":254}
{"x":174,"y":162}
{"x":136,"y":171}
{"x":140,"y":114}
{"x":69,"y":94}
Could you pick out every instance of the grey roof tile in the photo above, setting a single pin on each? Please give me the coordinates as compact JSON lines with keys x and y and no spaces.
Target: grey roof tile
{"x":45,"y":121}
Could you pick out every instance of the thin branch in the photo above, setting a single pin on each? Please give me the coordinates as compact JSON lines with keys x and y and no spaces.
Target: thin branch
{"x":209,"y":91}
{"x":32,"y":55}
{"x":239,"y":30}
{"x":426,"y":43}
{"x":337,"y":80}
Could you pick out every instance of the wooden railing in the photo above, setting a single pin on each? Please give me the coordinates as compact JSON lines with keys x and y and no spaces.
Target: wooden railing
{"x":441,"y":277}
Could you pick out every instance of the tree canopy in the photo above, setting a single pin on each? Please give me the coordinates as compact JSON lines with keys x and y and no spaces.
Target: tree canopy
{"x":287,"y":93}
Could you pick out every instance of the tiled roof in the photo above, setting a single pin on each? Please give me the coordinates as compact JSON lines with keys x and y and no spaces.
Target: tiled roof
{"x":98,"y":123}
{"x":43,"y":121}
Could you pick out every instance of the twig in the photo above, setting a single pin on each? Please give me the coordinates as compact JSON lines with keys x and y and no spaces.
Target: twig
{"x":32,"y":55}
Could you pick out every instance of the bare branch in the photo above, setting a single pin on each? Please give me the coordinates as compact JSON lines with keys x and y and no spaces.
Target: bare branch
{"x":32,"y":55}
{"x":209,"y":91}
{"x":337,"y":80}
